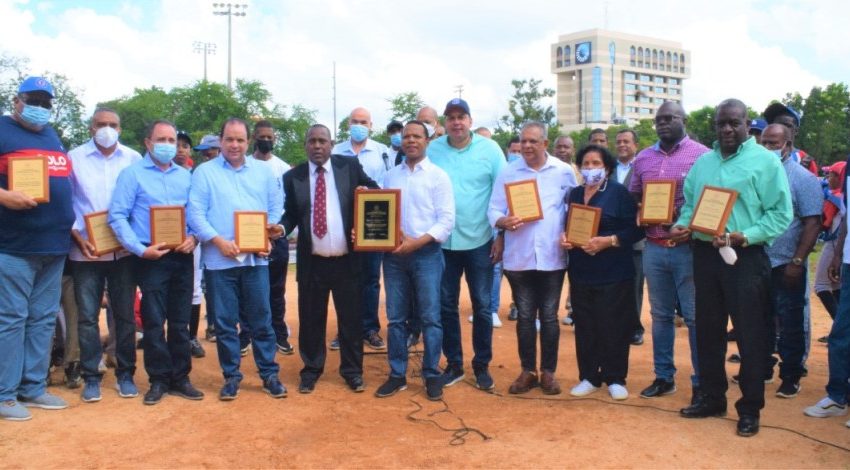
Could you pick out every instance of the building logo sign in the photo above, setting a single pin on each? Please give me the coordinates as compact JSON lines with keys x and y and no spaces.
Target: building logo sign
{"x":583,"y":53}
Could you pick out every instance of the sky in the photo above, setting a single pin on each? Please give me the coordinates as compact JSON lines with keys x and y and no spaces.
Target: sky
{"x":753,"y":50}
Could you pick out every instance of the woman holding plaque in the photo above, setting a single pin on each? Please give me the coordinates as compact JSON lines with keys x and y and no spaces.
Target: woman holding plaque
{"x":600,"y":232}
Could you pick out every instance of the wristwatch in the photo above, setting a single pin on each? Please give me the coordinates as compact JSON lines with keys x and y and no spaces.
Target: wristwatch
{"x":797,"y":261}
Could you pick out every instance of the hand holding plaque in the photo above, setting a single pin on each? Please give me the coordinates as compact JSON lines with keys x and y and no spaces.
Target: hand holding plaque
{"x":29,"y":175}
{"x":168,"y":225}
{"x":657,"y":202}
{"x":582,"y":224}
{"x":250,"y":231}
{"x":100,"y":233}
{"x":713,"y":210}
{"x":524,"y":200}
{"x":377,"y":219}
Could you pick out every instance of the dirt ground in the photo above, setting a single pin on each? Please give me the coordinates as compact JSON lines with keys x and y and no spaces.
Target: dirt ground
{"x":333,"y":427}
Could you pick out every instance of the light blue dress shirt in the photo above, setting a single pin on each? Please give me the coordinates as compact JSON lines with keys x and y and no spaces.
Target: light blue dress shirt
{"x":371,"y":158}
{"x":140,"y":186}
{"x":218,"y":190}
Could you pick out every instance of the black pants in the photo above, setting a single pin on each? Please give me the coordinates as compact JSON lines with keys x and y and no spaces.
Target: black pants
{"x":742,"y":292}
{"x":603,"y":316}
{"x":330,"y":275}
{"x":166,"y":286}
{"x":537,"y":295}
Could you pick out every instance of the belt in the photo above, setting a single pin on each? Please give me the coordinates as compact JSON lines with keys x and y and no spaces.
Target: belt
{"x":664,"y":242}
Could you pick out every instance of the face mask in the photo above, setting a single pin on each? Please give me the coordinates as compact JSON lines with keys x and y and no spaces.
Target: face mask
{"x":430,"y":129}
{"x":513,"y":156}
{"x":593,"y":176}
{"x":359,"y":132}
{"x":395,"y":140}
{"x":264,"y":146}
{"x":778,"y":153}
{"x":106,"y":137}
{"x":35,"y":115}
{"x":163,"y":153}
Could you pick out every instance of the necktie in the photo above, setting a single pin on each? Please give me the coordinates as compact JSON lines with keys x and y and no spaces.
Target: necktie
{"x":320,"y":217}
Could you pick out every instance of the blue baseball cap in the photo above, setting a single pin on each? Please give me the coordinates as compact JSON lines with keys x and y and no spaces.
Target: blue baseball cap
{"x":31,"y":84}
{"x":457,"y":103}
{"x":777,"y":109}
{"x":209,"y":141}
{"x":758,"y":124}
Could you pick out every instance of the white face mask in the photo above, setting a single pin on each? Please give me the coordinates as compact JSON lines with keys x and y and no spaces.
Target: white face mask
{"x":106,"y":137}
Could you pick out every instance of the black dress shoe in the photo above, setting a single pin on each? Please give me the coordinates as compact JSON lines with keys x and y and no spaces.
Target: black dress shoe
{"x":306,"y":386}
{"x":355,"y":383}
{"x":186,"y":390}
{"x":704,"y":409}
{"x":748,"y":426}
{"x":659,"y":388}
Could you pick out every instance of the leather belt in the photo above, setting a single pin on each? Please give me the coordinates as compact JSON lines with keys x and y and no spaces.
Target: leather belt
{"x":663,"y":242}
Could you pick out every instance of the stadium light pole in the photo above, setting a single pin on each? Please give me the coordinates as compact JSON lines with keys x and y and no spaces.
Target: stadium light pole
{"x":205,"y":48}
{"x":229,"y":10}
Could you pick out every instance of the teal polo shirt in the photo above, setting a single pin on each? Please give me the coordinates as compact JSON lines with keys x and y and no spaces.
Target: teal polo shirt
{"x":473,"y":171}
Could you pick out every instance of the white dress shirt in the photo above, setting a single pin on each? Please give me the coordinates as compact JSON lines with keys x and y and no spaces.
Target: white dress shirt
{"x":371,"y":158}
{"x":334,"y":243}
{"x":427,"y":199}
{"x":279,"y":168}
{"x":93,"y":178}
{"x":535,"y":245}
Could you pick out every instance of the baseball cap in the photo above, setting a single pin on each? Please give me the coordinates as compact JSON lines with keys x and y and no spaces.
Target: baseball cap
{"x":758,"y":124}
{"x":31,"y":84}
{"x":185,"y":136}
{"x":776,"y":109}
{"x":209,"y":141}
{"x":457,"y":103}
{"x":394,"y":126}
{"x":837,"y":168}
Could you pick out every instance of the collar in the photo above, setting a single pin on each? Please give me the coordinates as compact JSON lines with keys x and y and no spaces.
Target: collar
{"x":226,"y":165}
{"x":92,"y":150}
{"x":676,"y":146}
{"x":745,"y":145}
{"x":424,"y":165}
{"x":312,"y":166}
{"x":148,"y":162}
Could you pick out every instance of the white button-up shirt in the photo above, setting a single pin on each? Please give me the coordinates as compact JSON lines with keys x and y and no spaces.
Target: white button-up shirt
{"x":535,"y":245}
{"x":371,"y":158}
{"x":427,"y":199}
{"x":93,"y":178}
{"x":334,"y":243}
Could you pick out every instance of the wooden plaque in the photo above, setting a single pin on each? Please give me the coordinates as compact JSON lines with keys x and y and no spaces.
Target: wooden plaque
{"x":524,"y":200}
{"x":168,"y":225}
{"x":657,"y":202}
{"x":29,"y":175}
{"x":100,"y":233}
{"x":250,"y":231}
{"x":713,"y":209}
{"x":582,"y":223}
{"x":377,"y":219}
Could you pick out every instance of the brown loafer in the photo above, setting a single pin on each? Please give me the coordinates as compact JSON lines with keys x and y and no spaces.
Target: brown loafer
{"x":525,"y":382}
{"x":549,"y":385}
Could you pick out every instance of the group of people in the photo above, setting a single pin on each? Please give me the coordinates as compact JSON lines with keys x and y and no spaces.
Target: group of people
{"x":456,"y":222}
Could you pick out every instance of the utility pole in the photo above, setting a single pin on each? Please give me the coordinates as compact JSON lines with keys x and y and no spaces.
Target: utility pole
{"x":205,"y":48}
{"x":336,"y":123}
{"x":227,"y":9}
{"x":459,"y":90}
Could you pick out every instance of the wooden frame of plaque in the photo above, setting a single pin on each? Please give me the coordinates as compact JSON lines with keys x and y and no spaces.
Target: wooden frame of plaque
{"x":101,"y":246}
{"x":14,"y":161}
{"x":671,"y":184}
{"x":386,"y":235}
{"x":709,"y":224}
{"x":156,"y":236}
{"x":523,"y":186}
{"x":251,"y":246}
{"x":578,"y":239}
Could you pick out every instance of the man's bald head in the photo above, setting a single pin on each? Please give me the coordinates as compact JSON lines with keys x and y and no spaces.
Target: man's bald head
{"x":428,"y":115}
{"x":778,"y":137}
{"x":360,"y":116}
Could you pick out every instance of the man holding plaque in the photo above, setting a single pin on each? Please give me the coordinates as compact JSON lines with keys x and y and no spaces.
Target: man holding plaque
{"x":97,"y":257}
{"x":413,"y":270}
{"x":472,"y":163}
{"x":33,"y":245}
{"x":533,"y":260}
{"x":733,"y":282}
{"x":147,"y":214}
{"x":667,"y":264}
{"x":227,"y":201}
{"x":320,"y":202}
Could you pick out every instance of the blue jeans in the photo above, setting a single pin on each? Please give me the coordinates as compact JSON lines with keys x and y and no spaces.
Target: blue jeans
{"x":29,"y":302}
{"x":788,"y":305}
{"x":670,"y":277}
{"x":89,"y":280}
{"x":476,"y":264}
{"x":246,"y":290}
{"x":371,"y":283}
{"x":496,"y":290}
{"x":415,"y":275}
{"x":838,"y":388}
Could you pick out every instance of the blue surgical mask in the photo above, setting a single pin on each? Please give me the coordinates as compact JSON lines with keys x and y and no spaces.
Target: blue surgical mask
{"x":395,"y":140}
{"x":359,"y":132}
{"x":163,"y":153}
{"x":35,"y":115}
{"x":593,"y":176}
{"x":513,"y":156}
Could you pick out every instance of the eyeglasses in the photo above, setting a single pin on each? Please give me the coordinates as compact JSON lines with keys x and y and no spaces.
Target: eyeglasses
{"x":46,"y":103}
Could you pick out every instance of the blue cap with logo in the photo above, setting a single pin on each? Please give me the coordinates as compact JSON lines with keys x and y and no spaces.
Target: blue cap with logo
{"x":758,"y":124}
{"x":777,"y":109}
{"x":457,"y":103}
{"x":31,"y":84}
{"x":209,"y":141}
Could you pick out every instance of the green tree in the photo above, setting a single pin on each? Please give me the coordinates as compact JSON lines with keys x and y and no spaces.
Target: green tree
{"x":825,"y":128}
{"x":404,"y":106}
{"x":526,"y":105}
{"x":140,"y":109}
{"x":701,"y":125}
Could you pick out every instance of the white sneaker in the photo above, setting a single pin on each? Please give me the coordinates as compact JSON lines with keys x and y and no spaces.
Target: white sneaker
{"x":584,"y":388}
{"x":568,"y":320}
{"x":825,"y":408}
{"x":470,"y":319}
{"x":101,"y":367}
{"x":618,"y":392}
{"x":496,"y":322}
{"x":847,"y":424}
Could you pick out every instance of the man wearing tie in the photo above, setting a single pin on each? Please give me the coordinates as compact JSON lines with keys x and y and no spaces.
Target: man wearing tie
{"x":319,"y":200}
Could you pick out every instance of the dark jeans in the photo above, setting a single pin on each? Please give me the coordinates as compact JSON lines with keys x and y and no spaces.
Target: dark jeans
{"x":788,"y":305}
{"x":246,"y":290}
{"x":371,"y":284}
{"x":89,"y":280}
{"x":742,"y":292}
{"x":602,"y":317}
{"x":637,"y":257}
{"x":537,"y":295}
{"x":166,"y":286}
{"x":478,"y":267}
{"x":330,"y":275}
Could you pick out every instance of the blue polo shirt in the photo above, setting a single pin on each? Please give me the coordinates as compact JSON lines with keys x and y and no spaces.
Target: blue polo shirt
{"x":473,"y":171}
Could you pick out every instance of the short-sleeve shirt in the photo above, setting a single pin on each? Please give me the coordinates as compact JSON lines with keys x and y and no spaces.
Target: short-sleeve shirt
{"x":807,"y":200}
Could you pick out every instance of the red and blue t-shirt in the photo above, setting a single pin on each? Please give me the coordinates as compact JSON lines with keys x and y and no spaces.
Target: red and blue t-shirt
{"x":46,"y":229}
